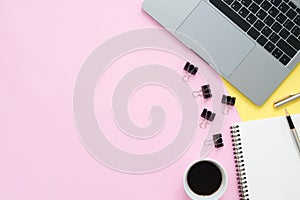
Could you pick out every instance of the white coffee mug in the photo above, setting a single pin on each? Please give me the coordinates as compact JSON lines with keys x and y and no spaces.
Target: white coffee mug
{"x":214,"y":196}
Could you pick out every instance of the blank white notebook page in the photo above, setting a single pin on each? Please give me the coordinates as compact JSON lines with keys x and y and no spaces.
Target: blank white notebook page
{"x":271,"y":157}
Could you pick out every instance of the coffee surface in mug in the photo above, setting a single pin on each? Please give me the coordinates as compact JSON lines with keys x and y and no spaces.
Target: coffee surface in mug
{"x":204,"y":178}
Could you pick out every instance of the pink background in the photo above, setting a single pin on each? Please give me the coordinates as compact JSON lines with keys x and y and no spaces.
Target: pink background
{"x":42,"y":47}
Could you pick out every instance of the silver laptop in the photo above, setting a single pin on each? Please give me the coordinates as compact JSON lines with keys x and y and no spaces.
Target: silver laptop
{"x":254,"y":43}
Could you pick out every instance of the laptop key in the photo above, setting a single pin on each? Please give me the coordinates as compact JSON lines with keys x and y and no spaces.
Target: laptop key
{"x":284,"y":59}
{"x":292,"y":5}
{"x":284,"y":33}
{"x":244,"y":12}
{"x":286,"y":48}
{"x":269,"y":20}
{"x":251,"y":18}
{"x":259,"y":25}
{"x":298,"y":10}
{"x":275,"y":2}
{"x":266,"y":31}
{"x":288,"y":24}
{"x":276,"y":27}
{"x":254,"y":8}
{"x":246,"y":3}
{"x":274,"y":38}
{"x":281,"y":18}
{"x":273,"y":12}
{"x":294,"y":42}
{"x":253,"y":33}
{"x":228,"y":1}
{"x":297,"y":20}
{"x":266,"y":5}
{"x":291,"y":14}
{"x":296,"y":31}
{"x":239,"y":21}
{"x":262,"y":40}
{"x":261,"y":14}
{"x":277,"y":53}
{"x":283,"y":7}
{"x":236,"y":5}
{"x":269,"y":47}
{"x":258,"y":1}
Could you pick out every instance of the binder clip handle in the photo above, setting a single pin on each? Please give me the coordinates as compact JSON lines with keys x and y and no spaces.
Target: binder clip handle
{"x":186,"y":77}
{"x":203,"y":124}
{"x":197,"y":94}
{"x":226,"y":110}
{"x":208,"y":142}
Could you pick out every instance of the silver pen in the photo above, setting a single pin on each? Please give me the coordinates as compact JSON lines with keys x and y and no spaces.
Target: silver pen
{"x":293,"y":129}
{"x":286,"y":100}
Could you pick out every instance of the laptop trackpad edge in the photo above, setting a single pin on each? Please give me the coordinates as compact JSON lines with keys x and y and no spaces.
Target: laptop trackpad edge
{"x":206,"y":27}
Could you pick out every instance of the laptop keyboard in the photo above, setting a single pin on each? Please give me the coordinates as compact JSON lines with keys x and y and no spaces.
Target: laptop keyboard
{"x":274,"y":24}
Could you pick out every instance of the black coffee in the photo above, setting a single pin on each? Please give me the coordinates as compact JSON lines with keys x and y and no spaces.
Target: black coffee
{"x":204,"y":178}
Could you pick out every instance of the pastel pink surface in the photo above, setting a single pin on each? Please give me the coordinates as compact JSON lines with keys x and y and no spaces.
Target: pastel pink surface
{"x":43,"y":45}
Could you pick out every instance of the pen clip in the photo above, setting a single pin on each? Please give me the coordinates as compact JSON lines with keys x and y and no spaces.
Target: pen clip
{"x":284,"y":98}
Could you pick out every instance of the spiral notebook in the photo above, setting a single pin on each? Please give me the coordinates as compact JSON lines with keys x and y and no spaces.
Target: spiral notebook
{"x":267,"y":159}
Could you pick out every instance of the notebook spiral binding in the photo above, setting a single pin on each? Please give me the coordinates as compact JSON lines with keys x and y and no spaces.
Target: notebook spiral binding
{"x":239,"y":163}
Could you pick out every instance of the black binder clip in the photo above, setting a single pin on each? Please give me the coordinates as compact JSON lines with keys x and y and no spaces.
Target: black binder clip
{"x":189,"y":70}
{"x":229,"y":103}
{"x":204,"y":92}
{"x":207,"y":116}
{"x":217,"y":141}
